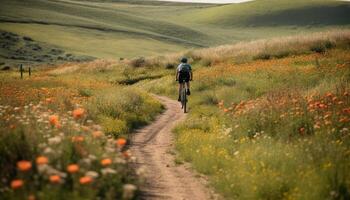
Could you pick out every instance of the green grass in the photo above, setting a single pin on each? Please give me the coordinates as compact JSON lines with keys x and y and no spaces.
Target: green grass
{"x":256,"y":127}
{"x":267,"y":13}
{"x":111,"y":112}
{"x":127,"y":29}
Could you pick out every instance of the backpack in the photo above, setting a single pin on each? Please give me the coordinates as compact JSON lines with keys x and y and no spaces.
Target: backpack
{"x":185,"y":68}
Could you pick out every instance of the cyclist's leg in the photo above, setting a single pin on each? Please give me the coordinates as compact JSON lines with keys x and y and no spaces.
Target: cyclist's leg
{"x":180,"y":87}
{"x":188,"y":88}
{"x":188,"y":85}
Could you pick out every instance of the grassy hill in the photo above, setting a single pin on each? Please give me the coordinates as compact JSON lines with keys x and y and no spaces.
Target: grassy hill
{"x":16,"y":49}
{"x":271,"y":13}
{"x":268,"y":119}
{"x":113,"y":29}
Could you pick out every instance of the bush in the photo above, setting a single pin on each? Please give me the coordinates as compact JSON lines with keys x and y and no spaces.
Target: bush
{"x":121,"y":110}
{"x":170,"y":66}
{"x":206,"y":62}
{"x":85,"y":92}
{"x":114,"y":127}
{"x":262,"y":56}
{"x":318,"y":48}
{"x":138,"y":62}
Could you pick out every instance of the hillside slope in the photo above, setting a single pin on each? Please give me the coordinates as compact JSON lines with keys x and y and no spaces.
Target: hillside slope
{"x":274,"y":13}
{"x":114,"y":29}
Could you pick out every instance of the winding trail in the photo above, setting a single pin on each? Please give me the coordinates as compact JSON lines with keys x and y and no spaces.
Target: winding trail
{"x":152,"y":146}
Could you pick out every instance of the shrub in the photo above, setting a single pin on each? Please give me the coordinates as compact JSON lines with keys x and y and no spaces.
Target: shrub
{"x":206,"y":62}
{"x":170,"y":66}
{"x":121,"y":110}
{"x":114,"y":127}
{"x":138,"y":62}
{"x":85,"y":92}
{"x":318,"y":48}
{"x":262,"y":56}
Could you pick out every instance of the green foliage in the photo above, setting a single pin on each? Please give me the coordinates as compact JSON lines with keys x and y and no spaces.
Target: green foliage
{"x":276,"y":146}
{"x":28,"y":133}
{"x":121,"y":110}
{"x":156,"y":29}
{"x":85,"y":92}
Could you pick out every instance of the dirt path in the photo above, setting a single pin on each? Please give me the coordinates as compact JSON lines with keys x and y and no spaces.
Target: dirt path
{"x":152,"y":146}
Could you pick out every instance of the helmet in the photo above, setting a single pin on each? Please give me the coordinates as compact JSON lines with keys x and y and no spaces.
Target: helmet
{"x":184,"y":60}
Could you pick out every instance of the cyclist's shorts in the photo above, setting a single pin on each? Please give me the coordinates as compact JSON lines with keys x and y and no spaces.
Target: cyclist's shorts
{"x":184,"y":77}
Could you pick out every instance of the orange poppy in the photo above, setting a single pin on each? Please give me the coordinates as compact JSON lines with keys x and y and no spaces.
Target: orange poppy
{"x":85,"y":128}
{"x":55,"y":179}
{"x":31,"y":197}
{"x":97,"y":134}
{"x":329,"y":94}
{"x":42,"y":160}
{"x":346,"y":110}
{"x":17,"y":183}
{"x":106,"y":162}
{"x":24,"y":165}
{"x":85,"y":180}
{"x":344,"y":119}
{"x":49,"y":100}
{"x":73,"y":168}
{"x":54,"y":120}
{"x":121,"y":142}
{"x":126,"y":154}
{"x":77,"y":138}
{"x":78,"y":113}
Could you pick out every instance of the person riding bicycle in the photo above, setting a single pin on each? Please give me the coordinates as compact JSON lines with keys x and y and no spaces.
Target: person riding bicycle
{"x":184,"y":75}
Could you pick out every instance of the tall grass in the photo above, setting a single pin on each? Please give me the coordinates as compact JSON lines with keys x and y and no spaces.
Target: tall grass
{"x":63,"y":133}
{"x":121,"y":110}
{"x":275,"y":128}
{"x":258,"y":49}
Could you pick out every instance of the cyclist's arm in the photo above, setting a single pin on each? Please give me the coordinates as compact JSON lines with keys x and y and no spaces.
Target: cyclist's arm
{"x":177,"y":75}
{"x":191,"y":75}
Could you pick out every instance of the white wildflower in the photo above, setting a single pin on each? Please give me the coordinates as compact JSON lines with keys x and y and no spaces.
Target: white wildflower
{"x":92,"y":157}
{"x":106,"y":171}
{"x":48,"y":150}
{"x":97,"y":127}
{"x":128,"y":191}
{"x":92,"y":174}
{"x":119,"y":160}
{"x":54,"y":140}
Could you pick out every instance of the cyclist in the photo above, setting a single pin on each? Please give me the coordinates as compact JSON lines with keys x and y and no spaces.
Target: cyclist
{"x":184,"y":75}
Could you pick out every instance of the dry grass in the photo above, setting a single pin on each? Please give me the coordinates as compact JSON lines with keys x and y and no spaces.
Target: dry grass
{"x":96,"y":65}
{"x":258,"y":49}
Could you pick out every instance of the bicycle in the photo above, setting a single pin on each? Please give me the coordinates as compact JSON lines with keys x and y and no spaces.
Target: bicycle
{"x":183,"y":97}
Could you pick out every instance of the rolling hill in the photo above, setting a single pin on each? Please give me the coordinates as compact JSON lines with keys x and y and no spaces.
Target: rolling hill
{"x":125,"y":29}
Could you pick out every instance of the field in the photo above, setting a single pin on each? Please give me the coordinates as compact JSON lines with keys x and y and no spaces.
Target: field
{"x":127,"y":29}
{"x":64,"y":137}
{"x":272,"y":124}
{"x":269,"y":114}
{"x":266,"y":124}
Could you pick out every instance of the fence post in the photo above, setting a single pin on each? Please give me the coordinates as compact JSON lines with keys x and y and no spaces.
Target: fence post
{"x":21,"y":70}
{"x":29,"y":71}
